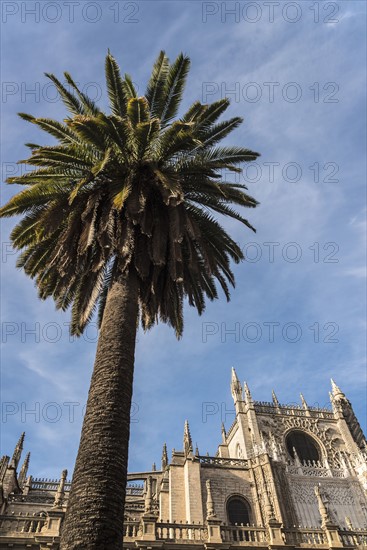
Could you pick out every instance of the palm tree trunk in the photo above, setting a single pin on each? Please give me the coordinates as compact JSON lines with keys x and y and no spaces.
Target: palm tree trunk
{"x":94,"y":517}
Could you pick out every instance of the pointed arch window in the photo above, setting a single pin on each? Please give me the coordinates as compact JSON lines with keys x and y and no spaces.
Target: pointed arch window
{"x":306,"y":447}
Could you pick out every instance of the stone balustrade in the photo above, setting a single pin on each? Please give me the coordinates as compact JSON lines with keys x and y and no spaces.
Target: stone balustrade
{"x":226,"y":462}
{"x":356,"y":538}
{"x":244,"y":534}
{"x":178,"y":532}
{"x":48,"y":484}
{"x":22,"y":524}
{"x":131,"y":529}
{"x":293,"y":410}
{"x":306,"y":536}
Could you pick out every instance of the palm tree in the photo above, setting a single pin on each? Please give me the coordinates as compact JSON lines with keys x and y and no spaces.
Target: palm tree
{"x":117,"y":217}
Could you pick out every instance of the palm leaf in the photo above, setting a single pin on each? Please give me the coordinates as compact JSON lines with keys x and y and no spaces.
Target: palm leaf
{"x":128,"y":87}
{"x":156,"y":84}
{"x":70,"y":101}
{"x":115,"y":87}
{"x":88,"y":104}
{"x":173,"y":90}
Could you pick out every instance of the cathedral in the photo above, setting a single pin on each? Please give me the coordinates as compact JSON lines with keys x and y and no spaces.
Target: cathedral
{"x":284,"y":476}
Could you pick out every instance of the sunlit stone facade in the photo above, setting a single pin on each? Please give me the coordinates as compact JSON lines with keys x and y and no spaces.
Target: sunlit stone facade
{"x":283,"y":476}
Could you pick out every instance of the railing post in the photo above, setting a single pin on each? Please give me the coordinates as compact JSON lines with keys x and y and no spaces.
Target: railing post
{"x":332,"y":535}
{"x":214,"y":530}
{"x":53,"y":522}
{"x":48,"y":536}
{"x":149,"y":522}
{"x":275,"y":532}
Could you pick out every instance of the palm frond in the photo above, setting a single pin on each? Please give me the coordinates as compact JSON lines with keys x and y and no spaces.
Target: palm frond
{"x":70,"y":101}
{"x":89,"y":106}
{"x":156,"y":84}
{"x":115,"y":87}
{"x":173,"y":89}
{"x":131,"y":190}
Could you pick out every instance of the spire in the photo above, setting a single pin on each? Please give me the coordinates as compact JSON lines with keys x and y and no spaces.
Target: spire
{"x":23,"y":472}
{"x":187,"y":442}
{"x":224,"y":434}
{"x":164,"y":457}
{"x":60,"y":493}
{"x":236,"y":388}
{"x":248,"y":393}
{"x":17,"y":452}
{"x":336,"y":391}
{"x":275,"y":399}
{"x":304,"y":404}
{"x":210,"y":512}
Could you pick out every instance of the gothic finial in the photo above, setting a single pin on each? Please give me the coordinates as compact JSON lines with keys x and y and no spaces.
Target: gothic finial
{"x":224,"y":434}
{"x":304,"y":404}
{"x":236,"y":389}
{"x":164,"y":457}
{"x":273,"y":446}
{"x":17,"y":452}
{"x":60,"y":493}
{"x":187,"y":442}
{"x":154,"y":467}
{"x":210,"y":511}
{"x":23,"y":471}
{"x":322,"y":508}
{"x":234,"y":375}
{"x":148,"y":496}
{"x":296,"y":457}
{"x":247,"y":393}
{"x":27,"y":485}
{"x":275,"y":399}
{"x":197,"y":450}
{"x":349,"y":523}
{"x":336,"y":391}
{"x":263,"y":443}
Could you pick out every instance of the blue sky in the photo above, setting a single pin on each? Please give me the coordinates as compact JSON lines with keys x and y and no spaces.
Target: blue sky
{"x":296,"y":73}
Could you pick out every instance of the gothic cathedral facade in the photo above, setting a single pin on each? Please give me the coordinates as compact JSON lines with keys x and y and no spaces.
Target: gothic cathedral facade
{"x":283,"y":476}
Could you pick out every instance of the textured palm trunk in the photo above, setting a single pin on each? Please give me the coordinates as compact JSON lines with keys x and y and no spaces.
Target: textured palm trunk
{"x":94,"y":517}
